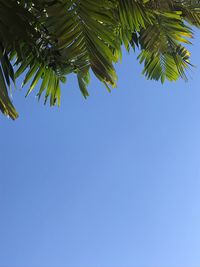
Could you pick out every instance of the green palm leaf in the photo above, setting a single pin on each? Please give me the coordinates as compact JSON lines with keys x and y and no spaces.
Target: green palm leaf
{"x":50,"y":39}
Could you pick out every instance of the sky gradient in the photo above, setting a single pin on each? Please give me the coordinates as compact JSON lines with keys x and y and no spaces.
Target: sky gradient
{"x":111,"y":181}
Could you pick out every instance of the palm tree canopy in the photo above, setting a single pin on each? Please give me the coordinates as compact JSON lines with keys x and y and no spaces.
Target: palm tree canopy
{"x":49,"y":39}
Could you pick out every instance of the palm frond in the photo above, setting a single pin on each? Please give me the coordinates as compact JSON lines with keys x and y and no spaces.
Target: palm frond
{"x":162,"y":53}
{"x":50,"y":39}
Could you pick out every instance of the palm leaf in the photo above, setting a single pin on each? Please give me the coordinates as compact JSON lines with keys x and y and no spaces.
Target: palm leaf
{"x":50,"y":39}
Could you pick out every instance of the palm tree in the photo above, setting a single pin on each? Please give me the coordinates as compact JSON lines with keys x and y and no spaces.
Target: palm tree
{"x":49,"y":39}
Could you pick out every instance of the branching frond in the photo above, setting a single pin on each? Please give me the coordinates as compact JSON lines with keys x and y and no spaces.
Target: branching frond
{"x":49,"y":39}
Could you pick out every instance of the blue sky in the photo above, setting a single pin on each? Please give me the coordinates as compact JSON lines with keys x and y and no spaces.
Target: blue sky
{"x":111,"y":181}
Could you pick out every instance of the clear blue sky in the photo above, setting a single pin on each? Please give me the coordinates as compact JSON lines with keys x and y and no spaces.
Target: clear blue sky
{"x":113,"y":181}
